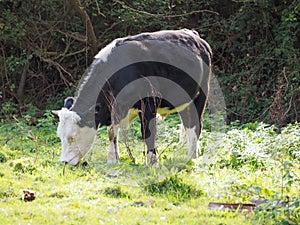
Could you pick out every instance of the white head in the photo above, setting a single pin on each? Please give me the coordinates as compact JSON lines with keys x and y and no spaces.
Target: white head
{"x":76,"y":140}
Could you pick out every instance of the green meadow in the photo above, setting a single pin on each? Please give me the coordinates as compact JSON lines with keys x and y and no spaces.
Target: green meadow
{"x":238,"y":164}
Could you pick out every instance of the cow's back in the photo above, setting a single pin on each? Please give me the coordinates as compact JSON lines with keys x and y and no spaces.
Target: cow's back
{"x":185,"y":38}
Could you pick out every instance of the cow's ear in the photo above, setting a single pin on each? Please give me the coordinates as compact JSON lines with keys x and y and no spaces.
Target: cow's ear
{"x":68,"y":103}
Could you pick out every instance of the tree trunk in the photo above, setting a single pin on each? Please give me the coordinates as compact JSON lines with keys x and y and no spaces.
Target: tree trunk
{"x":85,"y":19}
{"x":21,"y":87}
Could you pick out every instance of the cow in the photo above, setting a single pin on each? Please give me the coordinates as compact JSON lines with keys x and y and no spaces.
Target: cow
{"x":143,"y":76}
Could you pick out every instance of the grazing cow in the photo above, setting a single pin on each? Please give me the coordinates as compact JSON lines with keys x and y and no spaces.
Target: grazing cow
{"x":144,"y":75}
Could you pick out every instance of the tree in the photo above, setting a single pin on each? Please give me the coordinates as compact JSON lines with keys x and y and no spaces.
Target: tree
{"x":45,"y":48}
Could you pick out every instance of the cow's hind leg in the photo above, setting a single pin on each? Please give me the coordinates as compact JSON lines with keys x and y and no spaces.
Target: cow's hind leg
{"x":191,"y":118}
{"x":147,"y":114}
{"x":113,"y":153}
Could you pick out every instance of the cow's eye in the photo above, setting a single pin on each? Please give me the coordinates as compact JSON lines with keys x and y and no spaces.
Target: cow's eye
{"x":71,"y":139}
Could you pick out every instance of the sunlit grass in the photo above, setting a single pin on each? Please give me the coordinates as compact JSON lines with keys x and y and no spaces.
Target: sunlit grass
{"x":251,"y":162}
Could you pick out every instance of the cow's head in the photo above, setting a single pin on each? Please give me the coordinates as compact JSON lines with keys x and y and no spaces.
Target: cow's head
{"x":76,"y":139}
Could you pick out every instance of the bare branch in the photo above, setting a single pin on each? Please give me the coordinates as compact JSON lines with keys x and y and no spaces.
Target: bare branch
{"x":75,"y":36}
{"x":164,"y":15}
{"x":109,"y":28}
{"x":59,"y":68}
{"x":76,"y":5}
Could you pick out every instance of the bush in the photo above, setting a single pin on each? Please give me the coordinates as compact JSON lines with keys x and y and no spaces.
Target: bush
{"x":279,"y":212}
{"x":174,"y":189}
{"x":116,"y":192}
{"x":3,"y":157}
{"x":255,"y":45}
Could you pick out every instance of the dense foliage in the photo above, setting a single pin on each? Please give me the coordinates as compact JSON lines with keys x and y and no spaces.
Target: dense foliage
{"x":45,"y":46}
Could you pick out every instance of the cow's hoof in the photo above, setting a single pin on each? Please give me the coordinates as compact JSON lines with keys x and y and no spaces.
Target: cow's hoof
{"x":112,"y":161}
{"x":152,"y":159}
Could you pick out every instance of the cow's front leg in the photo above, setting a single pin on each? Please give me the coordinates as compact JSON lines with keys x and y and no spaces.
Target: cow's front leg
{"x":113,"y":154}
{"x":148,"y":128}
{"x":192,"y":137}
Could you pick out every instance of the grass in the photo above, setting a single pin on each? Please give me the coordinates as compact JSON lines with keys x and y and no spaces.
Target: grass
{"x":245,"y":162}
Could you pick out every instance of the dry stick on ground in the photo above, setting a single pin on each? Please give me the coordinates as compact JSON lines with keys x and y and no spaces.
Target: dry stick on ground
{"x":129,"y":151}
